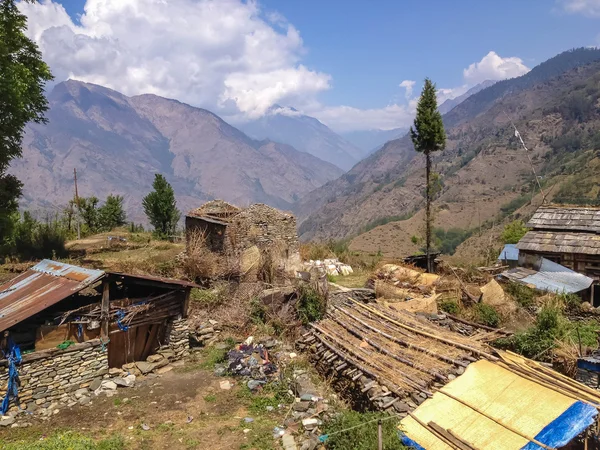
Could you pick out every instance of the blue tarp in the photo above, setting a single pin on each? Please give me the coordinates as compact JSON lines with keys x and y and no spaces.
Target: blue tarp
{"x":576,"y":419}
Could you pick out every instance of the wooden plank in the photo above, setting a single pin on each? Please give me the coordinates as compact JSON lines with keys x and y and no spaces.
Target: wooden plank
{"x":151,"y":341}
{"x":105,"y":307}
{"x":452,"y":437}
{"x":186,"y":303}
{"x":139,"y":343}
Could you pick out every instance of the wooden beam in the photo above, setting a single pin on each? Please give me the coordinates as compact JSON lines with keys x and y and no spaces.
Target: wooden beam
{"x":186,"y":303}
{"x":104,"y":308}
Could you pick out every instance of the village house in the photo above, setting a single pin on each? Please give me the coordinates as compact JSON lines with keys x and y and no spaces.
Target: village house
{"x":231,"y":230}
{"x":71,"y":325}
{"x":567,"y":235}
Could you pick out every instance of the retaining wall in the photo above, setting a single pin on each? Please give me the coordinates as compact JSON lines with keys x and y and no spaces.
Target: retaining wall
{"x":54,"y":375}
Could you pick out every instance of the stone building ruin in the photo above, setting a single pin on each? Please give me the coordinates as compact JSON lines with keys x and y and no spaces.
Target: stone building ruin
{"x":242,"y":232}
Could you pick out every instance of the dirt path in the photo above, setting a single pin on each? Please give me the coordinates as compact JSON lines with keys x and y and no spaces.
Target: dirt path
{"x":166,"y":405}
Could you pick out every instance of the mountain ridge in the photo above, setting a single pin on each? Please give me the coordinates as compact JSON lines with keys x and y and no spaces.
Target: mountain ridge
{"x":116,"y":142}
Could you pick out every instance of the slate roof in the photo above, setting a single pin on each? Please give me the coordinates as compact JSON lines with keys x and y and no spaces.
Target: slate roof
{"x":586,"y":219}
{"x":560,"y":242}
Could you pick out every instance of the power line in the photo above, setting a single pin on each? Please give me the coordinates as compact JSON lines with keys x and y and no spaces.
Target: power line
{"x":517,"y":134}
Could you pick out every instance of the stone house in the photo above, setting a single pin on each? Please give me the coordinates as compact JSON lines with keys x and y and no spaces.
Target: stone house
{"x":567,"y":235}
{"x":231,"y":230}
{"x":72,"y":325}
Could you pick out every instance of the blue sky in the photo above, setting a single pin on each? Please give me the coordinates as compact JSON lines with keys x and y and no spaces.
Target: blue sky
{"x":356,"y":53}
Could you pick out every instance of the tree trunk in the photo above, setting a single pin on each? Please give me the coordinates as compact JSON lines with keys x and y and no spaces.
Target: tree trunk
{"x":428,"y":211}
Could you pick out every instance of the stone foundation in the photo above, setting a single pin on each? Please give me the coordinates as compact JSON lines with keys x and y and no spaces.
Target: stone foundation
{"x":53,"y":376}
{"x":179,"y":338}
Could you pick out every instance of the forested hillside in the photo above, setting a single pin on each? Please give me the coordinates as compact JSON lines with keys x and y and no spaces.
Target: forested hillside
{"x":484,"y":173}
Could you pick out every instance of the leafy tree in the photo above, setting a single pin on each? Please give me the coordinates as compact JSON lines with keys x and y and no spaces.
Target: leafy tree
{"x":161,"y":208}
{"x":23,"y":75}
{"x":513,"y":232}
{"x":428,"y":136}
{"x":88,"y":208}
{"x":36,"y":240}
{"x":111,"y":214}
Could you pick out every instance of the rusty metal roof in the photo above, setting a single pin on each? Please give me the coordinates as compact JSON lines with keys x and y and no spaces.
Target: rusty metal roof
{"x":571,"y":218}
{"x":44,"y":285}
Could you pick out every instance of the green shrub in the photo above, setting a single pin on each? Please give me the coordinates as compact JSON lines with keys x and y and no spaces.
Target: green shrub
{"x":487,"y":315}
{"x":311,"y":305}
{"x":211,"y":299}
{"x":513,"y":232}
{"x":510,"y":207}
{"x":538,"y":341}
{"x":448,"y":240}
{"x":450,"y":306}
{"x":342,"y":435}
{"x":523,"y":295}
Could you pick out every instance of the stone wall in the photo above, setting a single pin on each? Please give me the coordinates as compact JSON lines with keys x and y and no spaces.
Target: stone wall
{"x":179,"y":338}
{"x":263,"y":226}
{"x":52,"y":377}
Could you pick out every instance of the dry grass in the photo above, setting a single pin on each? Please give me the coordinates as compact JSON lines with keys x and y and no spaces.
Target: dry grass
{"x":200,"y":263}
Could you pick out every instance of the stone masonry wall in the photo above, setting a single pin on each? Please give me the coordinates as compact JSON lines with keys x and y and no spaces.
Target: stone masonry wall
{"x":262,"y":225}
{"x":179,"y":338}
{"x":53,"y":377}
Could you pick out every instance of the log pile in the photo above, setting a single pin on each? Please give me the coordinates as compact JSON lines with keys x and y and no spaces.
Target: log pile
{"x":387,"y":359}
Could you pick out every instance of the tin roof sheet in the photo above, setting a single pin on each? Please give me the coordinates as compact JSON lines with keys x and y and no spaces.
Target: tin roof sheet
{"x":551,"y":277}
{"x":510,"y":252}
{"x":44,"y":285}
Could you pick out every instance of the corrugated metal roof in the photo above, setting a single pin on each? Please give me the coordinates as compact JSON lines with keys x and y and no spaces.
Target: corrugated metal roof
{"x":44,"y":285}
{"x":560,"y":242}
{"x":551,"y":277}
{"x":510,"y":252}
{"x":566,"y":218}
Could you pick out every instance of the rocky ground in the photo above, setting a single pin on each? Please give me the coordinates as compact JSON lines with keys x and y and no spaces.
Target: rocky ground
{"x":216,"y":397}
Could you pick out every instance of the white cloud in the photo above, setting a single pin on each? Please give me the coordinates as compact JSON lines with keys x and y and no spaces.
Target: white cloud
{"x":586,"y":7}
{"x":224,"y":55}
{"x":347,"y":118}
{"x":228,"y":56}
{"x":408,"y":85}
{"x":494,"y":67}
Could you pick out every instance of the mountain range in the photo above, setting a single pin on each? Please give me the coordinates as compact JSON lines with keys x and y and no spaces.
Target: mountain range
{"x":484,"y":172}
{"x":116,"y":143}
{"x":305,"y":133}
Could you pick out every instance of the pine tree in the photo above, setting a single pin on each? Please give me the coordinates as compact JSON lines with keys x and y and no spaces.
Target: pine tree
{"x":112,"y":214}
{"x":88,"y":209}
{"x":23,"y":75}
{"x":161,"y":208}
{"x":428,"y":136}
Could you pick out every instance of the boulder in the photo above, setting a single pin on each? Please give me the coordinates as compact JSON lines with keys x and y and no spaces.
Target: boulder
{"x":144,"y":367}
{"x":127,"y":381}
{"x":154,"y":358}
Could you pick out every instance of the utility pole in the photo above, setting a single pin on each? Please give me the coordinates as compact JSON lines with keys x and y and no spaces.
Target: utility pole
{"x":77,"y":203}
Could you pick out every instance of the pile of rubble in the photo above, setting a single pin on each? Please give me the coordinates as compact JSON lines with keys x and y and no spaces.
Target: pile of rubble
{"x":162,"y":362}
{"x":332,"y":267}
{"x":251,"y":361}
{"x":205,"y":333}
